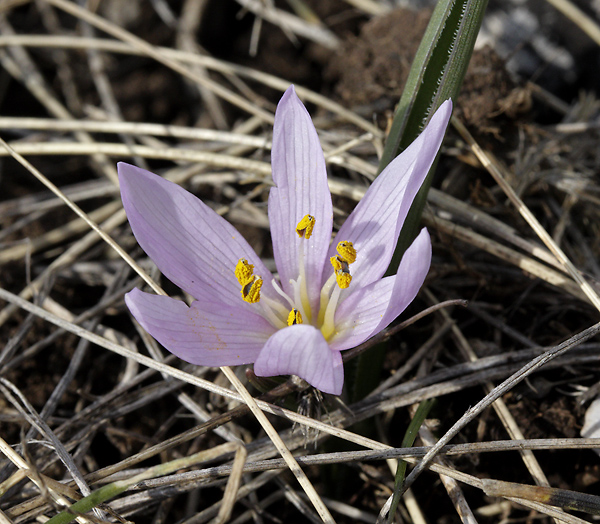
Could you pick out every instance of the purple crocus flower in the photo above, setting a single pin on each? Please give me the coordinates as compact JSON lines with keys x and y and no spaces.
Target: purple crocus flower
{"x":328,"y":296}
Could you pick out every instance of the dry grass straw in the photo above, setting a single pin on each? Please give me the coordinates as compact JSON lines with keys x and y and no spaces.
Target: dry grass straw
{"x":53,"y":462}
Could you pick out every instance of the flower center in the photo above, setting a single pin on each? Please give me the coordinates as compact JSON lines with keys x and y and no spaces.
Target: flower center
{"x":299,"y":302}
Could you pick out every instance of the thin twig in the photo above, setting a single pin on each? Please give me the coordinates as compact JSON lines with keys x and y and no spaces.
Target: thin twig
{"x":498,"y":391}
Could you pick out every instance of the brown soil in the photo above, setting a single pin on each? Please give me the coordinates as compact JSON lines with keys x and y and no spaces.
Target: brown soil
{"x":370,"y":71}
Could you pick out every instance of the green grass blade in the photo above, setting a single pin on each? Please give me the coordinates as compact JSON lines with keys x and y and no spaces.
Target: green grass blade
{"x":409,"y":439}
{"x":114,"y":489}
{"x":436,"y":74}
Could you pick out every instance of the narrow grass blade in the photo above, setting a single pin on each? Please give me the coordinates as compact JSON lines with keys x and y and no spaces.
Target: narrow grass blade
{"x":409,"y":439}
{"x":437,"y":74}
{"x":114,"y":489}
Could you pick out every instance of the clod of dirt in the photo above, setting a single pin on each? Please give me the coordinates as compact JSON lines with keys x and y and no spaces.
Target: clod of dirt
{"x":371,"y":70}
{"x":488,"y":90}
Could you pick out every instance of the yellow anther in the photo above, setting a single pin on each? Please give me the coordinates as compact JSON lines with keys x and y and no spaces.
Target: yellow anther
{"x":251,"y":290}
{"x":343,"y":279}
{"x":305,"y":226}
{"x":346,"y":251}
{"x":244,"y":272}
{"x":336,"y":262}
{"x":342,"y":271}
{"x":294,"y":317}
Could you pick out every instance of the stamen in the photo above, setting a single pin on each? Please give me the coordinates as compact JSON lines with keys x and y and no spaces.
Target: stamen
{"x":251,"y":290}
{"x":342,"y":271}
{"x":346,"y":255}
{"x":282,"y":293}
{"x":244,"y":271}
{"x":294,"y":317}
{"x":328,"y":327}
{"x":343,"y":278}
{"x":305,"y":226}
{"x":346,"y":251}
{"x":327,"y":287}
{"x":268,"y":306}
{"x":324,"y":298}
{"x":339,"y":264}
{"x":298,"y":287}
{"x":278,"y":308}
{"x":301,"y":298}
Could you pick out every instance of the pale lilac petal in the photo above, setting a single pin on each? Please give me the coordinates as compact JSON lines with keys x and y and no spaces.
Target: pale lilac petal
{"x":193,"y":246}
{"x":207,"y":334}
{"x":300,"y":178}
{"x":301,"y":350}
{"x":375,"y":223}
{"x":370,"y":309}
